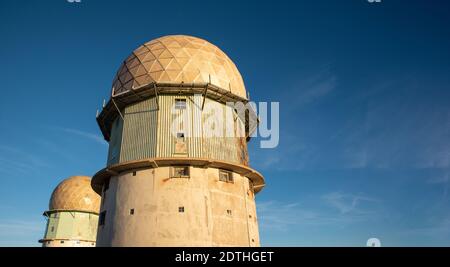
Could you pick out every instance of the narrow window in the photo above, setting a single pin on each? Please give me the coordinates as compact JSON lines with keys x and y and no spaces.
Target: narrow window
{"x":180,"y":137}
{"x":180,"y":172}
{"x":131,"y":211}
{"x":180,"y":209}
{"x":134,"y":173}
{"x":180,"y":103}
{"x":229,"y":212}
{"x":225,"y":176}
{"x":180,"y":144}
{"x":53,"y":228}
{"x":62,"y":241}
{"x":101,"y":219}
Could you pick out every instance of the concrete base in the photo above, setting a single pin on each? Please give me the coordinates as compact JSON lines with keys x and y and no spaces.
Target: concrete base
{"x":146,"y":207}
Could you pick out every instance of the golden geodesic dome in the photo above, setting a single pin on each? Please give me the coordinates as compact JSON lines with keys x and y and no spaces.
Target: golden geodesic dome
{"x":176,"y":59}
{"x":75,"y":193}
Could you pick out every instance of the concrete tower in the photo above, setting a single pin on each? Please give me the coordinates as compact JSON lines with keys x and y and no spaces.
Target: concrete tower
{"x":72,"y":218}
{"x":174,"y":176}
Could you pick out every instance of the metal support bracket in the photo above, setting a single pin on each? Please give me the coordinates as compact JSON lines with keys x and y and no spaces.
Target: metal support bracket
{"x":156,"y":95}
{"x":118,"y":110}
{"x":204,"y":96}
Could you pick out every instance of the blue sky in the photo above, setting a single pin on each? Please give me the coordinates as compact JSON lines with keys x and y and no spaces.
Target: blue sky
{"x":364,"y":92}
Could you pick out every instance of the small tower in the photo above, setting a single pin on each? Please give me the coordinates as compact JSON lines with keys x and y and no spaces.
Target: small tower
{"x":72,"y":218}
{"x":174,"y":176}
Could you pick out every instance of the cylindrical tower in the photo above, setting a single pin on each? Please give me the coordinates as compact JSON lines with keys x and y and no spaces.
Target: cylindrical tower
{"x":72,"y":218}
{"x":177,"y":172}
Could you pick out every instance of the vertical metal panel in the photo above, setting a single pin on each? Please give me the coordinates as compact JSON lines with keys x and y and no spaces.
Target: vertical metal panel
{"x":173,"y":121}
{"x":242,"y":151}
{"x":166,"y":140}
{"x":115,"y":141}
{"x":195,"y":141}
{"x":221,"y":147}
{"x":207,"y":139}
{"x":140,"y":131}
{"x":188,"y":121}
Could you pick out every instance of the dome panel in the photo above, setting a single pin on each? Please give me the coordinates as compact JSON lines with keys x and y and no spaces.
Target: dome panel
{"x":158,"y":60}
{"x":75,"y":193}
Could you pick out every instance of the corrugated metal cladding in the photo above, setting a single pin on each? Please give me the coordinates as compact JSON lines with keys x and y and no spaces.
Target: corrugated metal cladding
{"x":200,"y":128}
{"x":149,"y":132}
{"x":196,"y":144}
{"x":115,"y":141}
{"x":215,"y":143}
{"x":168,"y":124}
{"x":139,"y":131}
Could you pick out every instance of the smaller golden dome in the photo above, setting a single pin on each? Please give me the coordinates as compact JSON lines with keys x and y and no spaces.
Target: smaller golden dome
{"x":75,"y":193}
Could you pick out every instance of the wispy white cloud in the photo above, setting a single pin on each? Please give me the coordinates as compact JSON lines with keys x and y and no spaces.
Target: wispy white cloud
{"x":319,"y":87}
{"x":14,"y":161}
{"x":87,"y":135}
{"x":309,"y":87}
{"x":444,"y":181}
{"x":312,"y":87}
{"x":439,"y":229}
{"x":13,"y":152}
{"x":55,"y":148}
{"x":347,"y":209}
{"x":20,"y":232}
{"x":388,"y":125}
{"x":347,"y":203}
{"x":281,"y":216}
{"x":17,"y":227}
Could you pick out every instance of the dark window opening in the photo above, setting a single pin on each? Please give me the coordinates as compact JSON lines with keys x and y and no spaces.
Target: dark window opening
{"x":180,"y":172}
{"x":180,"y":209}
{"x":180,"y":103}
{"x":62,"y":242}
{"x":134,"y":173}
{"x":101,"y":219}
{"x":53,"y":228}
{"x":226,"y":176}
{"x":131,"y":211}
{"x":180,"y":143}
{"x":180,"y":137}
{"x":229,"y":212}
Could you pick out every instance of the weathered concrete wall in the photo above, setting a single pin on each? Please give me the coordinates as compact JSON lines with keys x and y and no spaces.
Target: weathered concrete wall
{"x":215,"y":213}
